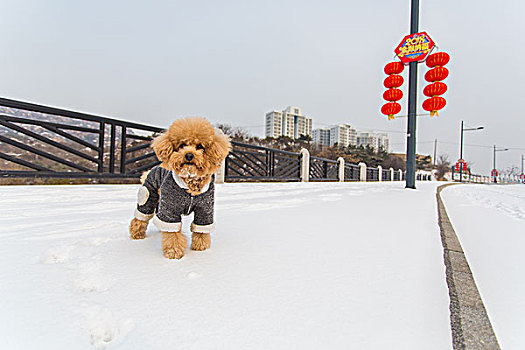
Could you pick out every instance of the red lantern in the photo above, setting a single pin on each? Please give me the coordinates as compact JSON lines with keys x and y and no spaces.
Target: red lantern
{"x":390,"y":109}
{"x":436,"y":74}
{"x":393,"y":81}
{"x":393,"y":95}
{"x":394,"y":68}
{"x":438,"y":59}
{"x":435,"y":89}
{"x":434,"y":104}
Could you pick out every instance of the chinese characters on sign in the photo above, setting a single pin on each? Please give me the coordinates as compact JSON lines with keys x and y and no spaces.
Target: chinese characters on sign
{"x":414,"y":47}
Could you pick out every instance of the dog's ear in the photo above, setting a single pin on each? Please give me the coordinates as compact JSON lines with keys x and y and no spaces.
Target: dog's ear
{"x":162,"y":146}
{"x":220,"y":147}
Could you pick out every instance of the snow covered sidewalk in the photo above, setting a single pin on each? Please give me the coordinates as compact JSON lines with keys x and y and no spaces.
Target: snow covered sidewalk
{"x":490,"y":223}
{"x":292,"y":266}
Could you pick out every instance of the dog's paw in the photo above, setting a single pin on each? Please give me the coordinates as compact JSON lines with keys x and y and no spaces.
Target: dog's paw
{"x":200,"y":241}
{"x":137,"y":229}
{"x":137,"y":235}
{"x":173,"y":253}
{"x":173,"y":244}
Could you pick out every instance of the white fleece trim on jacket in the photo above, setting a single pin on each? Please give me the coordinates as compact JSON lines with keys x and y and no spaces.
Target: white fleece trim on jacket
{"x":142,"y":216}
{"x":167,"y":226}
{"x":180,"y":182}
{"x":202,"y":228}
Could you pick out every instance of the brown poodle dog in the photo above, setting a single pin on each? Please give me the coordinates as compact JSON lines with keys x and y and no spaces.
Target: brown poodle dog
{"x":191,"y":151}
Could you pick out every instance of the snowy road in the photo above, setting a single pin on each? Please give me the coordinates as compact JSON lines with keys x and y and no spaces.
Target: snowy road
{"x":292,"y":266}
{"x":490,"y":224}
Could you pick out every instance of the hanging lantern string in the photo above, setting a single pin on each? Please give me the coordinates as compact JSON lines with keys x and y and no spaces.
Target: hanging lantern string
{"x":417,"y":115}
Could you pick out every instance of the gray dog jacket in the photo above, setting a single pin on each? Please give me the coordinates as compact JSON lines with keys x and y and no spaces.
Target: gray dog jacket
{"x":173,"y":202}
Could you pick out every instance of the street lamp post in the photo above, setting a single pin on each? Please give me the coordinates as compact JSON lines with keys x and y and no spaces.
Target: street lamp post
{"x":412,"y":104}
{"x":521,"y":174}
{"x":494,"y":170}
{"x":461,"y":148}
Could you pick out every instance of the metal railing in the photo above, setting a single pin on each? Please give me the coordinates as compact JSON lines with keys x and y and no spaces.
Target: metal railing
{"x":248,"y":162}
{"x":396,"y":176}
{"x":41,"y":141}
{"x":385,"y":175}
{"x":323,"y":169}
{"x":372,"y":174}
{"x":352,"y":172}
{"x":476,"y":178}
{"x":37,"y":140}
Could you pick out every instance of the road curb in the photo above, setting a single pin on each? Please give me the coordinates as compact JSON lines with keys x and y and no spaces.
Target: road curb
{"x":471,"y":327}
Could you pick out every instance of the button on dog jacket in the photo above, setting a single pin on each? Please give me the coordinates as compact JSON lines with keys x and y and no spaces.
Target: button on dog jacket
{"x":164,"y":195}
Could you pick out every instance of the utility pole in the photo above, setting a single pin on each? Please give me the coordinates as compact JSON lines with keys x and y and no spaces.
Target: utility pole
{"x":461,"y":155}
{"x":494,"y":165}
{"x":521,"y":174}
{"x":435,"y":150}
{"x":497,"y":150}
{"x":412,"y":104}
{"x":461,"y":148}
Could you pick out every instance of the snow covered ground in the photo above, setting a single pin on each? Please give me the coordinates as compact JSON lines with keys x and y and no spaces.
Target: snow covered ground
{"x":292,"y":266}
{"x":490,"y":224}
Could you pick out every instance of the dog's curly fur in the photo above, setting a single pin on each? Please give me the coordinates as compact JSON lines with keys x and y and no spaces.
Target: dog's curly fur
{"x":209,"y":148}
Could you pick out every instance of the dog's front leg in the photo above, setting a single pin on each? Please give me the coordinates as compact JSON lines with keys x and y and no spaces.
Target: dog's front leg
{"x":173,"y":244}
{"x":137,"y":229}
{"x":200,"y":241}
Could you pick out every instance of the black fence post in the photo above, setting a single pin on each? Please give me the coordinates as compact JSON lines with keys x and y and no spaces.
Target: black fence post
{"x":101,"y":137}
{"x":123,"y":149}
{"x":112,"y":149}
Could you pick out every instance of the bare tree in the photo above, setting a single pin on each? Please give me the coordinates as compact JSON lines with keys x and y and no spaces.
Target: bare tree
{"x":510,"y":171}
{"x":442,"y":167}
{"x":236,"y":133}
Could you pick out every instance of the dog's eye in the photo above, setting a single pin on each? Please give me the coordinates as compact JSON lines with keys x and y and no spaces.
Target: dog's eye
{"x":182,"y":145}
{"x":199,"y":146}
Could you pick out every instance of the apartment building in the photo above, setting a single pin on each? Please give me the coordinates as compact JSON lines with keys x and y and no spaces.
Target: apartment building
{"x":321,"y":137}
{"x":290,"y":122}
{"x":343,"y":135}
{"x":274,"y":124}
{"x":373,"y":140}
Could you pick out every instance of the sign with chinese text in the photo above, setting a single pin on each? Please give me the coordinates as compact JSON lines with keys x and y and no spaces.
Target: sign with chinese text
{"x":414,"y":47}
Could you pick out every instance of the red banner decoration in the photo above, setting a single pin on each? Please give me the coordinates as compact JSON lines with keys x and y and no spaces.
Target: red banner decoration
{"x":414,"y":48}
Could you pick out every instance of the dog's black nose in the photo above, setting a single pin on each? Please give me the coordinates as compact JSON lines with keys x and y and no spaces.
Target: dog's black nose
{"x":189,"y":157}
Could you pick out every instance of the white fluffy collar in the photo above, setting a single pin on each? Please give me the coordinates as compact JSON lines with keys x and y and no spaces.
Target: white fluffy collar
{"x":180,"y":182}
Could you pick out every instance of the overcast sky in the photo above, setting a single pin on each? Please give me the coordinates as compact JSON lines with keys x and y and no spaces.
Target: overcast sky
{"x":232,"y":61}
